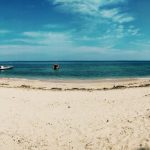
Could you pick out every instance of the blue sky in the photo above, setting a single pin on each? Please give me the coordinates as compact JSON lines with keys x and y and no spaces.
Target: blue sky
{"x":74,"y":30}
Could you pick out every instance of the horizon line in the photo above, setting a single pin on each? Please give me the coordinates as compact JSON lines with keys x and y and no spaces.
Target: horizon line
{"x":69,"y":60}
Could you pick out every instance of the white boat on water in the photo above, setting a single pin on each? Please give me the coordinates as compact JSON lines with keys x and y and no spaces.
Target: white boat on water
{"x":6,"y":67}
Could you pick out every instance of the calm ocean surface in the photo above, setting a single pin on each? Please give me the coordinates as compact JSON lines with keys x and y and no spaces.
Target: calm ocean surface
{"x":78,"y":70}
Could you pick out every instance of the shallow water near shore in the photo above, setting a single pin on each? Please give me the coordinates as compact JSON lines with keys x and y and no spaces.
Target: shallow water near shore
{"x":77,"y":70}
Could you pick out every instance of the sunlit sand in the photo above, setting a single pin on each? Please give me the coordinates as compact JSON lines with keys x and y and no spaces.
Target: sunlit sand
{"x":74,"y":115}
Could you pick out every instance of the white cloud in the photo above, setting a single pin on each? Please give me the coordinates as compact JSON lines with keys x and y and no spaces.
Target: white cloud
{"x":116,"y":16}
{"x":88,"y":7}
{"x":48,"y":38}
{"x":32,"y":34}
{"x":93,"y":8}
{"x":134,"y":31}
{"x":94,"y":2}
{"x":94,"y":15}
{"x":3,"y":31}
{"x":123,"y":18}
{"x":53,"y":26}
{"x":109,"y":13}
{"x":19,"y":52}
{"x":14,"y":49}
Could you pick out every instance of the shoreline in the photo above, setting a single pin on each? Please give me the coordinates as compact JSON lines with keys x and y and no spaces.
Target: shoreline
{"x":66,"y":80}
{"x":70,"y":85}
{"x":78,"y":80}
{"x":76,"y":115}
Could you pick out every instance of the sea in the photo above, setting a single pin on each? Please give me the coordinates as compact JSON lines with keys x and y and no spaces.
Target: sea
{"x":81,"y":70}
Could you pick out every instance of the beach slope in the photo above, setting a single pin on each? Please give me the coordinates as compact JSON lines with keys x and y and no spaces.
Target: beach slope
{"x":35,"y":119}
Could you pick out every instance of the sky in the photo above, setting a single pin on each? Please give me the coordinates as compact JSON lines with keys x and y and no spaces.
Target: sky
{"x":74,"y":30}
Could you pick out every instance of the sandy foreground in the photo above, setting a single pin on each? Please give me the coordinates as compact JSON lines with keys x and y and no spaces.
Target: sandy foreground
{"x":98,"y":115}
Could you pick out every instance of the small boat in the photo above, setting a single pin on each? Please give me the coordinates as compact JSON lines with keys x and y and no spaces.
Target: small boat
{"x":6,"y":67}
{"x":56,"y":66}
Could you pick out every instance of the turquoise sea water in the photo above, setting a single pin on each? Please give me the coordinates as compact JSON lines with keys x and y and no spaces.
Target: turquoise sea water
{"x":77,"y":70}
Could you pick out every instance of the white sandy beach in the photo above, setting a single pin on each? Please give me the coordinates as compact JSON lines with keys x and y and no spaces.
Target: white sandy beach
{"x":100,"y":115}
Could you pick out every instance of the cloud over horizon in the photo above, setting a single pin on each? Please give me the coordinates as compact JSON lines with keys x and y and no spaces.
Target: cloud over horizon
{"x":75,"y":28}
